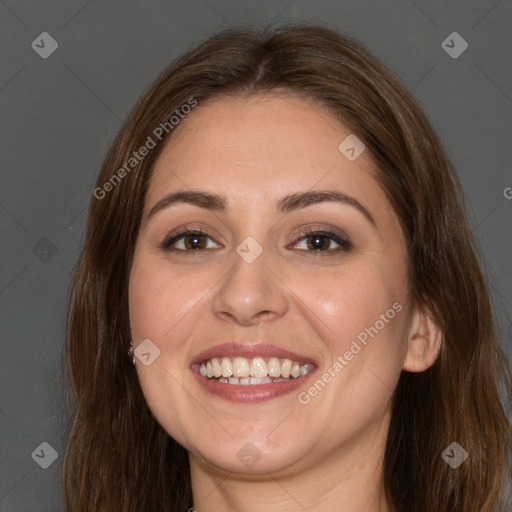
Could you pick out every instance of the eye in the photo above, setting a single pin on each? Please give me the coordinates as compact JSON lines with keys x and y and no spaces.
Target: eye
{"x":188,"y":240}
{"x":321,"y":241}
{"x":311,"y":239}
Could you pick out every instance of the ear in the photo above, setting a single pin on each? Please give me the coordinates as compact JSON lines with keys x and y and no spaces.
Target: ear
{"x":424,"y":341}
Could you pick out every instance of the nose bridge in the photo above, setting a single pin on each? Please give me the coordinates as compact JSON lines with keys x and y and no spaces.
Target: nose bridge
{"x":250,"y":288}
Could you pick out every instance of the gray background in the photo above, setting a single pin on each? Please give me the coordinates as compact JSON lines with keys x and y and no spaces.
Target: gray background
{"x":59,"y":115}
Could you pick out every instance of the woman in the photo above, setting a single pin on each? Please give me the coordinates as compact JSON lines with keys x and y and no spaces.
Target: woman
{"x":278,"y":240}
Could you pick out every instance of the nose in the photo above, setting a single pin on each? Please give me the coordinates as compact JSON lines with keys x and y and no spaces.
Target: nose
{"x":250,"y":293}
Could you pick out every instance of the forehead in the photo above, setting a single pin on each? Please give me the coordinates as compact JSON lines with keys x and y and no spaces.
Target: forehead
{"x":261,"y":146}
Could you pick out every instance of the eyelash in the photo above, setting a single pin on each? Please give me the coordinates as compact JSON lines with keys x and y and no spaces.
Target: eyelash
{"x":344,"y":244}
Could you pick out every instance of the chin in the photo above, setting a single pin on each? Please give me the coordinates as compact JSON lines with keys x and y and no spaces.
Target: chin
{"x":251,"y":459}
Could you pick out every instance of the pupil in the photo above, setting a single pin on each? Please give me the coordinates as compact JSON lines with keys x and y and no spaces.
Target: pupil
{"x":195,"y":241}
{"x":318,"y":242}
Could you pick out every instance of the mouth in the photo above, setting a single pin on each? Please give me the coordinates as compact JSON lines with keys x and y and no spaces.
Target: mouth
{"x":250,"y":373}
{"x":254,"y":371}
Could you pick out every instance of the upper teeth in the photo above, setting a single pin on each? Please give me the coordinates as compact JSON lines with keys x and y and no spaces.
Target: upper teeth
{"x":241,"y":367}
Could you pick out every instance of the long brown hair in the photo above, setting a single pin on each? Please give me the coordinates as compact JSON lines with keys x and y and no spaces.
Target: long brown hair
{"x":118,"y":458}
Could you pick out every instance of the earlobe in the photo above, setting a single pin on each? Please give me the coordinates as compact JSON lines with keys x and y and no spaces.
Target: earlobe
{"x":424,"y":342}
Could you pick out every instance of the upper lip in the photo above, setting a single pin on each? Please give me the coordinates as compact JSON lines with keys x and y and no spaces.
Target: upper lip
{"x":250,"y":350}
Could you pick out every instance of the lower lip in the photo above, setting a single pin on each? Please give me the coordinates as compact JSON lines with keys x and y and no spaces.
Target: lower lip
{"x":251,"y":392}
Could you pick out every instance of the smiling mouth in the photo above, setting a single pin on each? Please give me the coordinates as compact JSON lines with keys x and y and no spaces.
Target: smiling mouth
{"x":253,"y":371}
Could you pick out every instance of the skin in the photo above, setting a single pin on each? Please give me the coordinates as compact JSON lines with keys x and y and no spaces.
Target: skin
{"x":323,"y":455}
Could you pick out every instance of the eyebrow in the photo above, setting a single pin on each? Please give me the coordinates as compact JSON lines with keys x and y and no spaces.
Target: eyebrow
{"x":286,"y":204}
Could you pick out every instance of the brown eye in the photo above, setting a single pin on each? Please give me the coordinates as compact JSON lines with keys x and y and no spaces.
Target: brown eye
{"x":188,"y":241}
{"x":322,"y":241}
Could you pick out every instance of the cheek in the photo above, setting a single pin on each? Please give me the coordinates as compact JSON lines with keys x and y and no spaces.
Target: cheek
{"x":365,"y":320}
{"x":356,"y":301}
{"x":159,"y":299}
{"x":161,"y":306}
{"x":363,"y":313}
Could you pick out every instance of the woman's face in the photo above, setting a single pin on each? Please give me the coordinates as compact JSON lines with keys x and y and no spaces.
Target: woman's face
{"x":280,"y":279}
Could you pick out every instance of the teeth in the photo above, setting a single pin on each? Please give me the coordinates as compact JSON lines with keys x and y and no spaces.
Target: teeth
{"x":260,"y":380}
{"x":240,"y":367}
{"x":227,"y":369}
{"x":305,"y":369}
{"x":286,"y":368}
{"x":217,"y":368}
{"x":274,"y":367}
{"x":258,"y":367}
{"x":244,"y":371}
